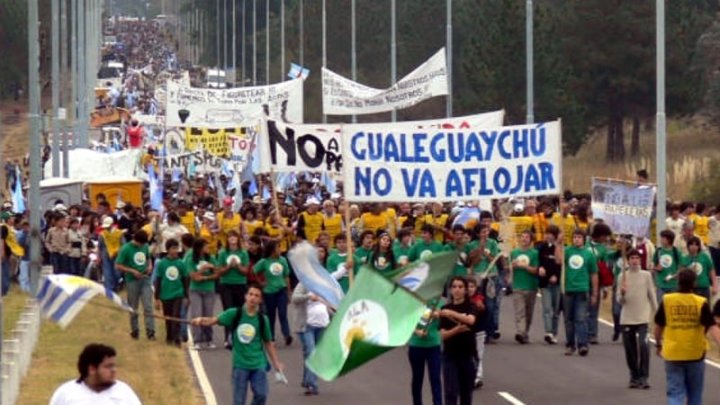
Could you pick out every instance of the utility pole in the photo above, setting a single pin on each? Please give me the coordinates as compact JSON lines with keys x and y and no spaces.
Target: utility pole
{"x":448,"y":49}
{"x":282,"y":40}
{"x":353,"y":54}
{"x":74,"y":99}
{"x":324,"y":43}
{"x":35,"y":138}
{"x":55,"y":147}
{"x":254,"y":42}
{"x":529,"y":61}
{"x":234,"y":41}
{"x":82,"y":75}
{"x":660,"y":123}
{"x":267,"y":42}
{"x":393,"y":51}
{"x":302,"y":33}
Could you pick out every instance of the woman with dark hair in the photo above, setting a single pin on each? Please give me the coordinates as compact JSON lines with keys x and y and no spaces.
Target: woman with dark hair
{"x":382,"y":258}
{"x":276,"y":289}
{"x":202,"y":291}
{"x":232,"y":262}
{"x":457,"y":319}
{"x":701,"y":263}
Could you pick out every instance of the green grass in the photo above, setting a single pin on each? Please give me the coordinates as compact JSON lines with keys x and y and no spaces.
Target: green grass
{"x":158,"y":373}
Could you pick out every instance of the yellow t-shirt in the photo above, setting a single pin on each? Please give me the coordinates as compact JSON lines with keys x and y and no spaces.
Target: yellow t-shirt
{"x":227,"y":225}
{"x":566,"y":224}
{"x":188,"y":221}
{"x":391,"y":216}
{"x":372,"y":222}
{"x":275,"y":232}
{"x":702,"y":228}
{"x":211,"y":238}
{"x":113,"y":241}
{"x":439,"y":221}
{"x":522,"y":224}
{"x":251,"y":226}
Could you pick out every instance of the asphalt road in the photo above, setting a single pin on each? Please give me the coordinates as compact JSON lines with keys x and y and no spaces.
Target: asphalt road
{"x":530,"y":374}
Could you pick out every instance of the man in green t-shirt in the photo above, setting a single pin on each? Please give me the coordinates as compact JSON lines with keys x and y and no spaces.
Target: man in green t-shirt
{"x":580,"y":273}
{"x":460,"y":245}
{"x":426,"y":246}
{"x":133,"y":260}
{"x":252,"y":346}
{"x":700,"y":262}
{"x":171,"y":288}
{"x":666,"y":262}
{"x":338,"y":261}
{"x":523,"y":275}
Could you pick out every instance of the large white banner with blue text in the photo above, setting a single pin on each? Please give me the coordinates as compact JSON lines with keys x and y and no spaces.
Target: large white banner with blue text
{"x":396,"y":162}
{"x":625,"y":206}
{"x":318,"y":147}
{"x":342,"y":96}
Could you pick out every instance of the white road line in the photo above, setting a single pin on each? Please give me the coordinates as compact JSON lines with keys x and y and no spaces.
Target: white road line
{"x":510,"y":398}
{"x":202,"y":377}
{"x":709,"y":362}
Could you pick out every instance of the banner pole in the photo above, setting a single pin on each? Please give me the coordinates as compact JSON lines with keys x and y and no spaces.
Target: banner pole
{"x":348,"y":237}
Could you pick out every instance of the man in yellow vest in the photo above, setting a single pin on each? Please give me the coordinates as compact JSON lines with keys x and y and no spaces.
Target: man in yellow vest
{"x":332,"y":221}
{"x":681,"y":323}
{"x":310,"y":222}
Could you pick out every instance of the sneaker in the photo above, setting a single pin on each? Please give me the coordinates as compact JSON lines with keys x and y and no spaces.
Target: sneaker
{"x":311,"y":391}
{"x":583,"y":351}
{"x":211,"y":345}
{"x":519,"y":338}
{"x":569,"y":351}
{"x":645,"y":385}
{"x":616,"y":336}
{"x":496,"y":335}
{"x":197,"y":347}
{"x":288,"y":340}
{"x":593,"y":340}
{"x":151,"y":336}
{"x":634,"y":384}
{"x":553,"y":340}
{"x":549,"y":338}
{"x":135,"y":335}
{"x":228,"y":345}
{"x":478,"y":384}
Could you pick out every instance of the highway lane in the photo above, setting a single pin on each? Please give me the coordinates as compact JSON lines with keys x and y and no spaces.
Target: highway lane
{"x":536,"y":373}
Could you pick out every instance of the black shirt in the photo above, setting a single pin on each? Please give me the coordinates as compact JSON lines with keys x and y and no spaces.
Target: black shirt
{"x":462,"y":344}
{"x":546,"y":252}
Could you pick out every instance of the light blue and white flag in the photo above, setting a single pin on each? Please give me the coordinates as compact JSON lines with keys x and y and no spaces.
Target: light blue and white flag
{"x":306,"y":265}
{"x":156,"y":192}
{"x":327,"y":181}
{"x":17,"y":196}
{"x":62,"y":296}
{"x":298,"y":71}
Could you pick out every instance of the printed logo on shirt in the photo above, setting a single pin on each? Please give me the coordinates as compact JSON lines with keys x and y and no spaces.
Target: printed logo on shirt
{"x":172,"y":273}
{"x":140,"y":258}
{"x":245,"y":333}
{"x":381,"y":263}
{"x":232,"y":258}
{"x":522,"y":260}
{"x":365,"y":320}
{"x":341,"y":267}
{"x":576,"y":262}
{"x":462,"y":259}
{"x":276,"y":269}
{"x":666,"y":261}
{"x":403,"y":260}
{"x":425,"y":254}
{"x":697,"y":267}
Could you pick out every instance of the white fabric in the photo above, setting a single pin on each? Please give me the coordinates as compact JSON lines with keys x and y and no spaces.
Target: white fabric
{"x":74,"y":393}
{"x":317,"y":314}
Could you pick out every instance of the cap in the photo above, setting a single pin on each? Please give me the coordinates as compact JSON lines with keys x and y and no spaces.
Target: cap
{"x":60,"y":207}
{"x":312,"y":201}
{"x":107,"y":222}
{"x":209,"y":216}
{"x":227,"y":201}
{"x":519,"y":207}
{"x":5,"y":215}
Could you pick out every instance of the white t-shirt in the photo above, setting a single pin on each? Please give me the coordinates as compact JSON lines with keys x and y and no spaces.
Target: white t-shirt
{"x":74,"y":393}
{"x":317,"y":314}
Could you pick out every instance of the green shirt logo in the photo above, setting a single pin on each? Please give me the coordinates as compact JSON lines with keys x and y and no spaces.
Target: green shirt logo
{"x":425,"y":254}
{"x":523,"y":260}
{"x":172,"y":273}
{"x":276,"y":269}
{"x":666,"y":261}
{"x":576,"y":262}
{"x":139,"y":258}
{"x":697,"y":267}
{"x":245,"y":333}
{"x":364,"y":320}
{"x":232,"y":259}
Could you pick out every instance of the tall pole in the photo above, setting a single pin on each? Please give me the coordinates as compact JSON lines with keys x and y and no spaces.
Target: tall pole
{"x":225,"y":41}
{"x":217,"y":37}
{"x":65,"y":60}
{"x":254,"y":42}
{"x":660,"y":153}
{"x":324,"y":43}
{"x":302,"y":33}
{"x":282,"y":40}
{"x":353,"y":54}
{"x":55,"y":10}
{"x":34,"y":116}
{"x":234,"y":41}
{"x":242,"y":46}
{"x":448,"y":49}
{"x":267,"y":41}
{"x":393,"y":50}
{"x":530,"y":81}
{"x":74,"y":100}
{"x":82,"y":74}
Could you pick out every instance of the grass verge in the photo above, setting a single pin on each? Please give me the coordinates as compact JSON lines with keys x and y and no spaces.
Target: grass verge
{"x":158,"y":373}
{"x":13,"y":305}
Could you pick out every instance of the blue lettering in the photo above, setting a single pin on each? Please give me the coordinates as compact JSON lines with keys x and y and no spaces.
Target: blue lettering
{"x":532,"y":179}
{"x":427,"y":184}
{"x":501,"y":180}
{"x":362,"y":181}
{"x":501,"y":144}
{"x":538,"y":143}
{"x":520,"y":143}
{"x":403,"y":149}
{"x":489,"y":139}
{"x":359,"y":155}
{"x":438,"y":156}
{"x":473,"y":149}
{"x":456,"y":152}
{"x":418,"y":139}
{"x":484,"y":190}
{"x":411,"y":184}
{"x":391,"y":149}
{"x":519,"y":179}
{"x":453,"y":186}
{"x":374,"y":146}
{"x":382,"y":175}
{"x":468,"y":174}
{"x":546,"y":173}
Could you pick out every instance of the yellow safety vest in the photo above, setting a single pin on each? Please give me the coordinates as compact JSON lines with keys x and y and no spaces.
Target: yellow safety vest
{"x":313,"y":225}
{"x":684,"y":335}
{"x":333,"y":226}
{"x":439,"y":221}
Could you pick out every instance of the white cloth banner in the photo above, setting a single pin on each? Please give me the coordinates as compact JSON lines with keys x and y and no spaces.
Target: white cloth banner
{"x":342,"y":96}
{"x":212,"y":108}
{"x":86,"y":164}
{"x":318,"y":147}
{"x":396,"y":162}
{"x":625,"y":206}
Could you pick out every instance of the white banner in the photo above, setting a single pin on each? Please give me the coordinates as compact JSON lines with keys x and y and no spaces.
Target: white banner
{"x":396,"y":162}
{"x":342,"y":96}
{"x":86,"y":164}
{"x":317,"y":147}
{"x":211,"y":108}
{"x":625,"y":206}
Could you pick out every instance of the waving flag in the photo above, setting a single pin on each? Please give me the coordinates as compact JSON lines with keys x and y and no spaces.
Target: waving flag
{"x":156,"y":192}
{"x":219,"y":188}
{"x":298,"y":71}
{"x":237,"y":203}
{"x":253,"y":189}
{"x":176,"y":174}
{"x":306,"y":265}
{"x":62,"y":296}
{"x":328,"y":182}
{"x":425,"y":278}
{"x":191,"y":168}
{"x":266,"y":193}
{"x":466,"y":215}
{"x":17,"y":195}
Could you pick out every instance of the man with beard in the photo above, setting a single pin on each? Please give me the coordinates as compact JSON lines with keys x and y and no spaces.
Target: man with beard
{"x":97,"y":382}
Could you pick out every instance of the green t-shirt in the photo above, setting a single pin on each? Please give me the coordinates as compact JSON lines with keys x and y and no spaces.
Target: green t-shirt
{"x":275,"y":271}
{"x":668,"y":259}
{"x":579,"y":264}
{"x":461,"y":263}
{"x":135,"y":257}
{"x":422,"y":251}
{"x":432,"y":339}
{"x":247,"y":347}
{"x":192,"y":267}
{"x":381,"y":263}
{"x":233,"y":275}
{"x":491,"y":246}
{"x":701,"y":265}
{"x":172,"y":275}
{"x":402,"y":254}
{"x":601,"y":251}
{"x":523,"y":279}
{"x":361,"y":256}
{"x":335,"y":262}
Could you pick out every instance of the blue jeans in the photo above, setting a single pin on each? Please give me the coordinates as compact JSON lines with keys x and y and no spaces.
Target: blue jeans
{"x":24,"y":276}
{"x":110,"y":275}
{"x":59,"y":263}
{"x":418,"y":356}
{"x":141,"y":290}
{"x":593,"y":312}
{"x":684,"y":381}
{"x":458,"y":378}
{"x":258,"y":384}
{"x":5,"y":276}
{"x":74,"y":265}
{"x":551,"y":308}
{"x":575,"y":305}
{"x":309,"y":339}
{"x":277,"y":304}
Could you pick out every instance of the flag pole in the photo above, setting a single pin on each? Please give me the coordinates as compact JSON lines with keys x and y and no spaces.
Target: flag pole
{"x":348,"y":237}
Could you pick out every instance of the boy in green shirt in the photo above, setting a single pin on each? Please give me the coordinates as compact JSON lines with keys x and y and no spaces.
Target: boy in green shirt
{"x":666,"y":262}
{"x":461,"y":246}
{"x":701,"y":263}
{"x":402,"y":246}
{"x":276,"y":290}
{"x":171,"y":286}
{"x":252,"y":346}
{"x":134,"y":261}
{"x":361,"y":255}
{"x":338,"y":261}
{"x":523,"y":275}
{"x":425,"y":247}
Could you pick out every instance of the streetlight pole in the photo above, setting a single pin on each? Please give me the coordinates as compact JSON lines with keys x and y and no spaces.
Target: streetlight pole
{"x":353,"y":54}
{"x":393,"y":51}
{"x":282,"y":40}
{"x":660,"y":123}
{"x":302,"y":33}
{"x":448,"y":49}
{"x":254,"y":42}
{"x":267,"y":41}
{"x":35,"y":135}
{"x":55,"y":11}
{"x":529,"y":61}
{"x":324,"y":42}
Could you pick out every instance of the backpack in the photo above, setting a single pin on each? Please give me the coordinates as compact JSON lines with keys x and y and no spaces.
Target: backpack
{"x":606,"y":278}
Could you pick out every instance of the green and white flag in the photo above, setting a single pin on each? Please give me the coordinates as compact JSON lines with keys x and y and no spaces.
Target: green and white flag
{"x":377,"y":315}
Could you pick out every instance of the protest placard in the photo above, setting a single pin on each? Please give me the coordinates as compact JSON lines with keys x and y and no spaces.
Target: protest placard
{"x":625,"y":206}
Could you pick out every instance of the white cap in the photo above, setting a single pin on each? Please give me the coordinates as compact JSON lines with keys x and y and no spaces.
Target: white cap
{"x":519,"y":207}
{"x":107,"y":222}
{"x":209,"y":216}
{"x":60,"y":207}
{"x":311,"y":201}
